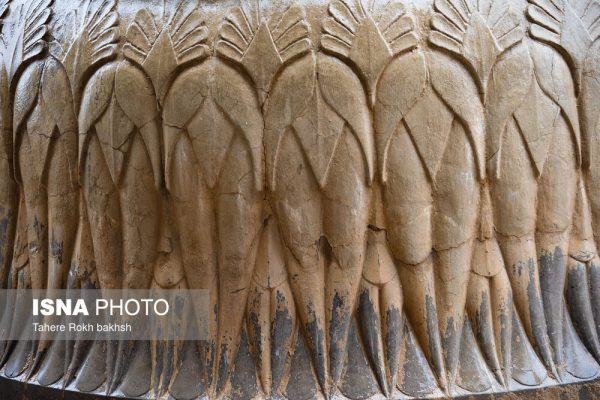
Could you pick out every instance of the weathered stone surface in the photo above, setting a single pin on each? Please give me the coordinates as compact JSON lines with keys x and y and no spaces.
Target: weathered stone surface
{"x":383,"y":198}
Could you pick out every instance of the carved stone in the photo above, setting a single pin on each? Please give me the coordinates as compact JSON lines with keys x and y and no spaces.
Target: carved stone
{"x":383,"y":198}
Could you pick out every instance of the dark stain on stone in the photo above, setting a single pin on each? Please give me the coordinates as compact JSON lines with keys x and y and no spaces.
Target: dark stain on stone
{"x":243,"y":380}
{"x":256,"y":344}
{"x":38,"y":227}
{"x":484,"y":333}
{"x":359,"y":382}
{"x":187,"y":384}
{"x":594,"y":277}
{"x":433,"y":329}
{"x":415,"y":378}
{"x":518,"y":268}
{"x":281,"y":334}
{"x":207,"y":351}
{"x":370,"y":326}
{"x":316,"y":341}
{"x":451,"y":342}
{"x":552,"y":282}
{"x":301,"y":384}
{"x":505,"y":321}
{"x":57,"y":248}
{"x":578,"y":300}
{"x":223,"y":370}
{"x":393,"y":339}
{"x":5,"y":242}
{"x":338,"y":328}
{"x":538,"y":319}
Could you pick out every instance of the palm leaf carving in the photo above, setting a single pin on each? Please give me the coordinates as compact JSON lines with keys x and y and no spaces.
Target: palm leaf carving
{"x":368,"y":36}
{"x":159,"y":51}
{"x":271,"y":315}
{"x":24,"y":39}
{"x":263,"y":47}
{"x":380,"y":311}
{"x":478,"y":31}
{"x":571,"y":25}
{"x":93,"y":40}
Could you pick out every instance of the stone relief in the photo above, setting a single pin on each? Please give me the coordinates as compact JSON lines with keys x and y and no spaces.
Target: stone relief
{"x":383,"y":198}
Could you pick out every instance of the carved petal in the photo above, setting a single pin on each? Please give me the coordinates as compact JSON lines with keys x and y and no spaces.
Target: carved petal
{"x":343,"y":91}
{"x":26,"y":94}
{"x":135,"y":95}
{"x":160,"y":52}
{"x":513,"y":77}
{"x":590,"y":108}
{"x":96,"y":96}
{"x":368,"y":41}
{"x":25,"y":40}
{"x":237,"y":99}
{"x":160,"y":64}
{"x":536,"y":117}
{"x":478,"y":31}
{"x":141,"y":35}
{"x":235,"y":35}
{"x":40,"y":129}
{"x":292,"y":33}
{"x":211,"y":135}
{"x":262,"y":60}
{"x":319,"y":130}
{"x":370,"y":51}
{"x":429,"y":123}
{"x":401,"y":85}
{"x":569,"y":25}
{"x":271,"y":312}
{"x":380,"y":305}
{"x":188,"y":35}
{"x":114,"y":129}
{"x":95,"y":41}
{"x":454,"y":84}
{"x":480,"y":48}
{"x":55,"y":80}
{"x":554,"y":77}
{"x":186,"y":95}
{"x":289,"y":99}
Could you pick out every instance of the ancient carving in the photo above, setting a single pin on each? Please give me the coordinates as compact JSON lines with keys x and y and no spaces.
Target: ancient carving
{"x":382,"y":198}
{"x":571,"y":28}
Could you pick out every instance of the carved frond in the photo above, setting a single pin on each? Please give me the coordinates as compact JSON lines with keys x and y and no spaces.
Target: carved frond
{"x":570,"y":25}
{"x":141,"y":36}
{"x":398,"y":27}
{"x":235,"y":35}
{"x":160,"y":50}
{"x":246,"y":39}
{"x":188,"y":33}
{"x":347,"y":19}
{"x":477,"y":31}
{"x":25,"y":38}
{"x":291,"y":34}
{"x":95,"y":40}
{"x":340,"y":28}
{"x":368,"y":36}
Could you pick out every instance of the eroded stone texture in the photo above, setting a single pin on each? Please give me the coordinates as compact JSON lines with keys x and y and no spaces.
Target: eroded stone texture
{"x":382,"y":197}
